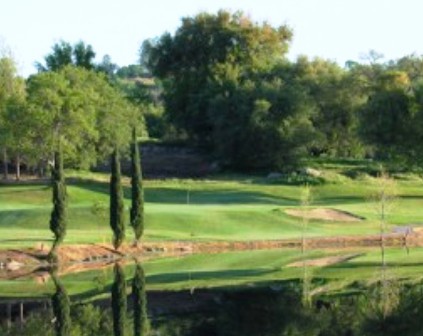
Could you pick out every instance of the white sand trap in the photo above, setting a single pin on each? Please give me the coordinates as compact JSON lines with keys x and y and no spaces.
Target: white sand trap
{"x":324,"y":214}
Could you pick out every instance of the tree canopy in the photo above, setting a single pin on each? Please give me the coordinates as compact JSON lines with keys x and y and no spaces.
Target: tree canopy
{"x":14,"y":127}
{"x":90,"y":115}
{"x":221,"y":82}
{"x":201,"y":52}
{"x":63,"y":54}
{"x":229,"y":89}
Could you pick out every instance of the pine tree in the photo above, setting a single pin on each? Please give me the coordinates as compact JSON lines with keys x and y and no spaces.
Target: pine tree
{"x":119,"y":301}
{"x":141,"y":326}
{"x":58,"y":218}
{"x":137,"y":207}
{"x":117,"y":206}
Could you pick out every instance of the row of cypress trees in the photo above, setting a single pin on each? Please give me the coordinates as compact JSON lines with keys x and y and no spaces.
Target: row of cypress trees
{"x":58,"y":218}
{"x":117,"y":208}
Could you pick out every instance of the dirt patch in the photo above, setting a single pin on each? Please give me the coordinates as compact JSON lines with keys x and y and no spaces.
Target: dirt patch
{"x":324,"y":214}
{"x":326,"y":261}
{"x":87,"y":253}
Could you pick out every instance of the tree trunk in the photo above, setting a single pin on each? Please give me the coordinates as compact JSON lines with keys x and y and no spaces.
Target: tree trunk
{"x":18,"y":167}
{"x":5,"y":167}
{"x":40,"y":169}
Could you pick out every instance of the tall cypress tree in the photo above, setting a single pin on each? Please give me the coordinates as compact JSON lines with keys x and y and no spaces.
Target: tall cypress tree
{"x":137,"y":206}
{"x":117,"y":206}
{"x":58,"y":218}
{"x":119,"y":301}
{"x":61,"y":309}
{"x":139,"y":298}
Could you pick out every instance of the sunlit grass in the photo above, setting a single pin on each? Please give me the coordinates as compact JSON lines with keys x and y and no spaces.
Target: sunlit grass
{"x":223,"y":208}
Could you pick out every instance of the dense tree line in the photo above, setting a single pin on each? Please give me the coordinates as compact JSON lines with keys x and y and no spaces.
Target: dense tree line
{"x":229,"y":88}
{"x":222,"y":82}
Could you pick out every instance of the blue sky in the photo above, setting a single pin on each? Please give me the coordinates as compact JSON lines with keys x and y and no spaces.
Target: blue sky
{"x":334,"y":29}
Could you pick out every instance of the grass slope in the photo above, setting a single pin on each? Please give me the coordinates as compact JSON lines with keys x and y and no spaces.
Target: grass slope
{"x":234,"y":208}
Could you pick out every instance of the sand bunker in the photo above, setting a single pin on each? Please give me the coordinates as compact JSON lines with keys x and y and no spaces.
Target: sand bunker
{"x":326,"y":261}
{"x":324,"y":214}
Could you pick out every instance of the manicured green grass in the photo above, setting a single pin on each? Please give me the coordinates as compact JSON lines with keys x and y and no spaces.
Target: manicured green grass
{"x":223,"y":208}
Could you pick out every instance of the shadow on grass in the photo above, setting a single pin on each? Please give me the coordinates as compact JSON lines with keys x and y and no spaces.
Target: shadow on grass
{"x":27,"y":240}
{"x":339,"y":200}
{"x":22,"y":183}
{"x":222,"y":196}
{"x":376,"y":264}
{"x":357,"y":199}
{"x":181,"y":196}
{"x":22,"y":189}
{"x":411,"y":197}
{"x":91,"y":185}
{"x":167,"y":278}
{"x":170,"y":195}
